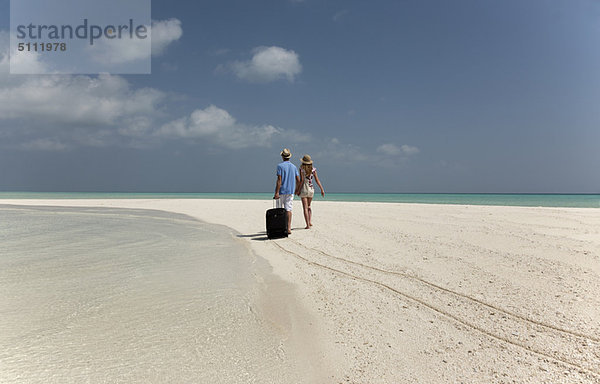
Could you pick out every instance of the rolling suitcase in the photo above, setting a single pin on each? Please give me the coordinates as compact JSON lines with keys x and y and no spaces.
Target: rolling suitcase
{"x":276,"y":223}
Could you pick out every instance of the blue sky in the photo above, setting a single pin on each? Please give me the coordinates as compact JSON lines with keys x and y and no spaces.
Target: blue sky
{"x":387,"y":96}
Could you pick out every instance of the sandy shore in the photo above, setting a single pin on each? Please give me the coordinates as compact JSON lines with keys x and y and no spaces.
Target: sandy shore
{"x":407,"y":293}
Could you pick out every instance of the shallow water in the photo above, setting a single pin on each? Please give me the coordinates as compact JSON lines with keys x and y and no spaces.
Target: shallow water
{"x":130,"y":296}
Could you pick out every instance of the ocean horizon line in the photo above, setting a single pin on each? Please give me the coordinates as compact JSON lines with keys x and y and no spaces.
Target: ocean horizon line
{"x":558,"y":200}
{"x":336,"y":193}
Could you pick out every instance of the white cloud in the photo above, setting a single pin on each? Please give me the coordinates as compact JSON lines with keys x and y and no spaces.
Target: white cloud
{"x":391,"y":149}
{"x":23,"y":62}
{"x":119,"y":51}
{"x":76,"y":100}
{"x":164,"y":33}
{"x":26,"y":62}
{"x":268,"y":64}
{"x":217,"y":125}
{"x":409,"y":150}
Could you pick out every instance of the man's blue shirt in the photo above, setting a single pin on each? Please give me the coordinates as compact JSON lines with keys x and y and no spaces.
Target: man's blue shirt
{"x":288,"y":173}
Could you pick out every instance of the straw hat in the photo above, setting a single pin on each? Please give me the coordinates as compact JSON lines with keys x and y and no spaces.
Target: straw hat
{"x":286,"y":154}
{"x":306,"y":159}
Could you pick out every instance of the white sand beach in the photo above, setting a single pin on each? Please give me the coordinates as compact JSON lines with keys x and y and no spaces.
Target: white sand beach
{"x":408,"y":293}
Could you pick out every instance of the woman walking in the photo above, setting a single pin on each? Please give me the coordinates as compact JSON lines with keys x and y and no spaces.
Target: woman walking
{"x":305,"y":189}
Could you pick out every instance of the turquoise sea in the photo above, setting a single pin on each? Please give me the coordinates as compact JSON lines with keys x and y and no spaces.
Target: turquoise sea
{"x":522,"y":200}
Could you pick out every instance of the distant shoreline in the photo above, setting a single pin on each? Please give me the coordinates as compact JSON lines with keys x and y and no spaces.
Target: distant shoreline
{"x":480,"y":199}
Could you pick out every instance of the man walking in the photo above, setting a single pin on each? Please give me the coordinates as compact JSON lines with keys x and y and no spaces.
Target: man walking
{"x":287,"y":177}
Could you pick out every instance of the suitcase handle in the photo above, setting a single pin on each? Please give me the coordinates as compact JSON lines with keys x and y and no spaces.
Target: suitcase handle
{"x":277,"y":203}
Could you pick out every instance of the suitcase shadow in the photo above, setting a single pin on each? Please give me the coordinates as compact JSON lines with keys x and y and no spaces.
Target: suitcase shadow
{"x":262,"y":236}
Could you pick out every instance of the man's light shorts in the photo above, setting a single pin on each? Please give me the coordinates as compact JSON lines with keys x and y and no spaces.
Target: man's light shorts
{"x":286,"y":201}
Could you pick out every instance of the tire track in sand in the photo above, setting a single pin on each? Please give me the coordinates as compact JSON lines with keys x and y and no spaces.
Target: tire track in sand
{"x":570,"y":348}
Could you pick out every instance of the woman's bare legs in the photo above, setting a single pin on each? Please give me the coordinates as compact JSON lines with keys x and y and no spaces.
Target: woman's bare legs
{"x":306,"y":212}
{"x":309,"y":200}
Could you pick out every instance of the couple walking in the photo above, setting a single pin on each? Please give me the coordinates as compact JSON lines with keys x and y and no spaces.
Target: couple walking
{"x":290,"y":181}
